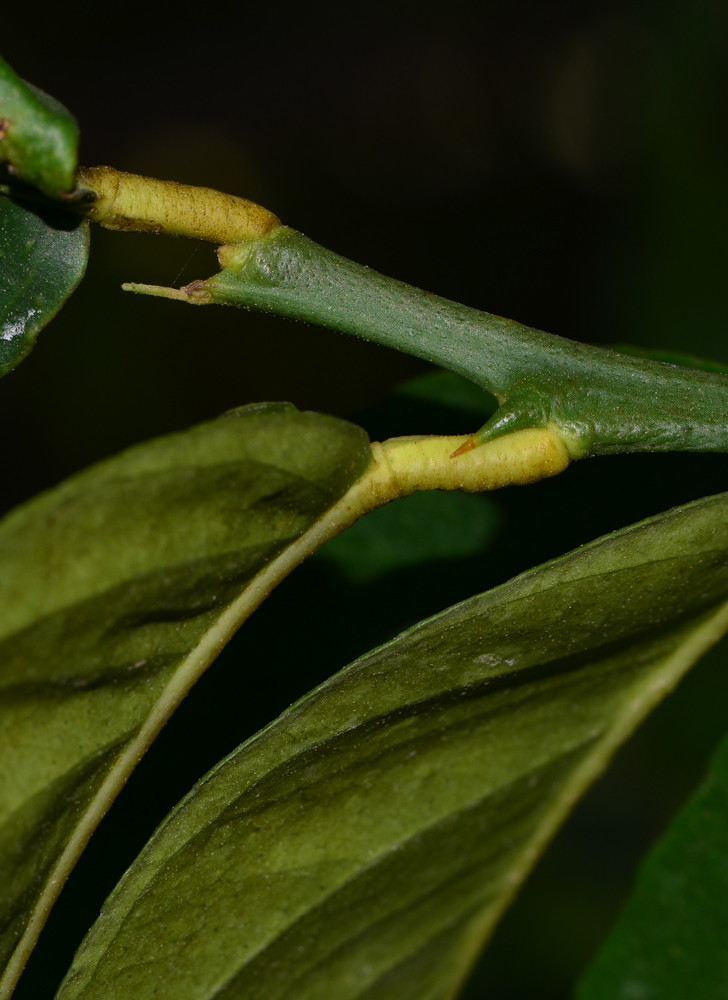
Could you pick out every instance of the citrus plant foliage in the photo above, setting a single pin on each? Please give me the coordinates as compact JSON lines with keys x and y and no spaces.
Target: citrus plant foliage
{"x":287,"y":871}
{"x":110,"y":616}
{"x":38,"y":136}
{"x":366,"y":842}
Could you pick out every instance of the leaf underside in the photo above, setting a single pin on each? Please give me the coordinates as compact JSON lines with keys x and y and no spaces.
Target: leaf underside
{"x":364,"y":845}
{"x":671,"y":940}
{"x":111,"y":587}
{"x":43,"y":254}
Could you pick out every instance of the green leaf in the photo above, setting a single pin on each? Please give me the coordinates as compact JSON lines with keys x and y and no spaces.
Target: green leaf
{"x":38,"y":136}
{"x":417,"y":529}
{"x":118,"y":588}
{"x":43,"y":254}
{"x":365,"y":844}
{"x":671,"y":942}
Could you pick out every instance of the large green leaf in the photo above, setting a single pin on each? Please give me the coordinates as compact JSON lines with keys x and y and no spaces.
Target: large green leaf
{"x":117,"y":589}
{"x":43,"y":254}
{"x":38,"y":136}
{"x":365,"y":843}
{"x":671,"y":942}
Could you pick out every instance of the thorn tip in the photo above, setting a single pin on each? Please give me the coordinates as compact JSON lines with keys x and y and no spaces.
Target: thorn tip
{"x":466,"y":446}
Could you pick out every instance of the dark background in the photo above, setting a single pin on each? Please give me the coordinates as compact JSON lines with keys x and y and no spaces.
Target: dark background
{"x":565,"y":164}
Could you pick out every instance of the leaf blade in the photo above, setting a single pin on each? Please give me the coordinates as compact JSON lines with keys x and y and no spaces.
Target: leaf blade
{"x":38,"y":137}
{"x":119,"y":588}
{"x":43,"y":257}
{"x":365,"y":843}
{"x":421,"y":528}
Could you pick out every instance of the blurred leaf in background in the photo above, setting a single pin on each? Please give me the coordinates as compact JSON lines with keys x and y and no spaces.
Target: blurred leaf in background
{"x":424,"y":527}
{"x":449,"y":390}
{"x":418,"y":529}
{"x":670,"y":942}
{"x":38,"y":136}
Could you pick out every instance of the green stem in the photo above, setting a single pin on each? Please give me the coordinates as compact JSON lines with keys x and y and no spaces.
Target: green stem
{"x":598,"y":401}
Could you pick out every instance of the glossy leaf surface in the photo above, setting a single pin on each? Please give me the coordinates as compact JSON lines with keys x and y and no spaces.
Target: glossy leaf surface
{"x":364,"y":844}
{"x":43,"y":256}
{"x":117,"y":589}
{"x":671,"y":941}
{"x":38,"y":136}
